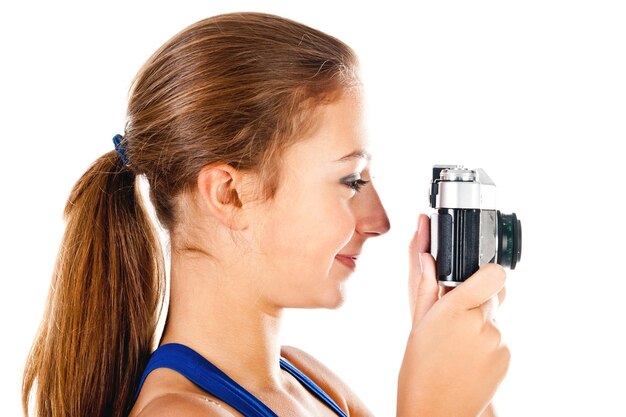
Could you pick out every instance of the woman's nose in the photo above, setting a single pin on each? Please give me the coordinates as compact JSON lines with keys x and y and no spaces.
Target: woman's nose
{"x":370,"y":215}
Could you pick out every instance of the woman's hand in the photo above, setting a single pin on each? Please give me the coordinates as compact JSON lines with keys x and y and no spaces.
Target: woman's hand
{"x":454,"y":359}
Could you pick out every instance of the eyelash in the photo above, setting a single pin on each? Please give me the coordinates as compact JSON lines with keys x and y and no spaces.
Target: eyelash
{"x":356,"y":185}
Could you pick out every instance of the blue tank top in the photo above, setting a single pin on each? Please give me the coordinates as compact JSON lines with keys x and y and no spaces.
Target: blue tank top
{"x":211,"y":379}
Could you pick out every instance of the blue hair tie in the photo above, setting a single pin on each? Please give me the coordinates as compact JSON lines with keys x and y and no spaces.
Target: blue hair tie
{"x":119,"y":148}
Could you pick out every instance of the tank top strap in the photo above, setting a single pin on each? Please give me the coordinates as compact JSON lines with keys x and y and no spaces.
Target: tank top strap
{"x":311,"y":386}
{"x":207,"y":376}
{"x":214,"y":381}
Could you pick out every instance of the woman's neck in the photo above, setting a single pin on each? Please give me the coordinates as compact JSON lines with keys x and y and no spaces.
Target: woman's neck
{"x":221,"y":315}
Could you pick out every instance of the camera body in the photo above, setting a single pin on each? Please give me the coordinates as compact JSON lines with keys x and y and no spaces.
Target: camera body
{"x":467,"y":230}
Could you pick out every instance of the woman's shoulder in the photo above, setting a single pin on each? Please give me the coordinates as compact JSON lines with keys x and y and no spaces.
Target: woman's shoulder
{"x":165,"y":392}
{"x":187,"y":403}
{"x":176,"y":404}
{"x":327,"y":380}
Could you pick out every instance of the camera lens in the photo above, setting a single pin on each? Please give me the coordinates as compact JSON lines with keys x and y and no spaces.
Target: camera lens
{"x":509,"y":240}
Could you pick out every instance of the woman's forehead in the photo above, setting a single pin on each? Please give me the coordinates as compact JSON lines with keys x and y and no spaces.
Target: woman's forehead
{"x":339,"y":135}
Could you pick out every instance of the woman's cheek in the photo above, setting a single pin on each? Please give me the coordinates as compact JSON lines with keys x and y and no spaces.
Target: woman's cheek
{"x":345,"y":225}
{"x":311,"y":225}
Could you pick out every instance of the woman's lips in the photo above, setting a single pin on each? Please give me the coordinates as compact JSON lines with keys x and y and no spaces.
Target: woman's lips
{"x":347,"y":261}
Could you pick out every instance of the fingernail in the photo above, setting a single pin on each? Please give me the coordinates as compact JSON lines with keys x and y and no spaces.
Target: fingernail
{"x":419,"y":222}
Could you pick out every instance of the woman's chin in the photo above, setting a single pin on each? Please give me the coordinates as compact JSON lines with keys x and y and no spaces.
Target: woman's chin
{"x":337,"y":298}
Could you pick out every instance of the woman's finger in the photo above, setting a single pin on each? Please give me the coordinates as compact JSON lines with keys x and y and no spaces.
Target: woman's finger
{"x":501,"y":295}
{"x":489,"y":308}
{"x":421,"y":270}
{"x":477,"y":289}
{"x":421,"y":238}
{"x":428,"y":290}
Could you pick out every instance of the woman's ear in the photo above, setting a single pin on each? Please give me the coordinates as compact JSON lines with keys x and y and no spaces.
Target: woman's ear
{"x":220,"y":187}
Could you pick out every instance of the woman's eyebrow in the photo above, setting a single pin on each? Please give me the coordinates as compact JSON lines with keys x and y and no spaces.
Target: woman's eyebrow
{"x":358,"y":154}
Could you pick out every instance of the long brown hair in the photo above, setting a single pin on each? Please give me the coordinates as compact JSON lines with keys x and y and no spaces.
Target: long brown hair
{"x":237,"y":89}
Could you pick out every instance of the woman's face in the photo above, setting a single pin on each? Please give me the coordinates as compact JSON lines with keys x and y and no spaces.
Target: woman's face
{"x":306,"y":235}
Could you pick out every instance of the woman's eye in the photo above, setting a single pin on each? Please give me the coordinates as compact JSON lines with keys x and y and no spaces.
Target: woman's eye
{"x":357,"y":184}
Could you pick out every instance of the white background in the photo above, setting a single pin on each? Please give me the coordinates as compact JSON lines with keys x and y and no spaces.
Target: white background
{"x":534,"y":92}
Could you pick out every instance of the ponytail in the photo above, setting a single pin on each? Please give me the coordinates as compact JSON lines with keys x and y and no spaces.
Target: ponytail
{"x":97,"y":332}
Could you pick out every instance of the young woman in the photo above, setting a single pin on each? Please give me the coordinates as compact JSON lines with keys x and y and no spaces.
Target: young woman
{"x":248,"y":129}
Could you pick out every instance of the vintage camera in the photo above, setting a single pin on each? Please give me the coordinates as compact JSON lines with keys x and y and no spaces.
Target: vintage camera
{"x":467,"y":231}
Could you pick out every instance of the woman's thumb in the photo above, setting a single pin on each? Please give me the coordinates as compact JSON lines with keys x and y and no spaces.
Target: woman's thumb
{"x":480,"y":287}
{"x":427,"y":293}
{"x":423,"y":288}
